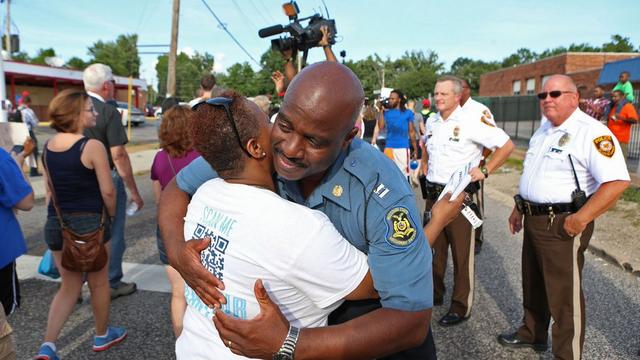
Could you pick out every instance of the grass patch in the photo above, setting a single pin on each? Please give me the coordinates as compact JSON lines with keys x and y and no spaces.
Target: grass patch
{"x":632,"y":194}
{"x":513,"y":163}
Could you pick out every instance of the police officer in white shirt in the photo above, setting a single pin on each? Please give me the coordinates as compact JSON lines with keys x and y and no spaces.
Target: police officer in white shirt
{"x":454,"y":139}
{"x":573,"y":172}
{"x":477,"y":110}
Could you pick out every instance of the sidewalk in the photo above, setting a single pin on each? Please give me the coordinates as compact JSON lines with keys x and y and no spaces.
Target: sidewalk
{"x":141,"y":159}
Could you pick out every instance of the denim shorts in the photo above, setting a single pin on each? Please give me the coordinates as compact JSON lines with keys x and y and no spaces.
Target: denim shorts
{"x":82,"y":223}
{"x":161,"y":250}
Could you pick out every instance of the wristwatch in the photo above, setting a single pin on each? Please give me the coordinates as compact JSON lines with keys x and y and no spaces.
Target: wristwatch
{"x":288,"y":348}
{"x":484,"y":171}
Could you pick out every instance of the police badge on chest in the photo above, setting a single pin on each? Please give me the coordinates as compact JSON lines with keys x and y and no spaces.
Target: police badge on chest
{"x":456,"y":134}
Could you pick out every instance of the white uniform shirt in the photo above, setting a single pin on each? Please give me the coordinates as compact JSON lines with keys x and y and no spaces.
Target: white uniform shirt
{"x":453,"y":143}
{"x":305,"y":264}
{"x":547,"y":176}
{"x":476,"y":110}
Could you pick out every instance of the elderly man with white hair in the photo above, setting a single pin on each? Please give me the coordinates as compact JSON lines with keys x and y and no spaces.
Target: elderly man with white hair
{"x":100,"y":85}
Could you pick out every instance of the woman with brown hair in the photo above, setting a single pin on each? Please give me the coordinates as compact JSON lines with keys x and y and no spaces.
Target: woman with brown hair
{"x":176,"y":152}
{"x":79,"y":173}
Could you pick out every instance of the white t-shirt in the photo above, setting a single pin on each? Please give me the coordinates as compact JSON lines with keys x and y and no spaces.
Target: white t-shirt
{"x":305,"y":264}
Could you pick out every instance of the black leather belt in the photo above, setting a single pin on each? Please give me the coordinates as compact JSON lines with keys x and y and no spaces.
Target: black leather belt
{"x":534,"y":209}
{"x":434,"y":189}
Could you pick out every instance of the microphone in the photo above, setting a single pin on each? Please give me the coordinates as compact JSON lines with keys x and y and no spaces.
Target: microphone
{"x":271,"y":30}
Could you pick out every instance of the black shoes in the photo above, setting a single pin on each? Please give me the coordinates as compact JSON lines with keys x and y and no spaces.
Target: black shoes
{"x":514,"y":341}
{"x":477,"y":247}
{"x":451,"y":319}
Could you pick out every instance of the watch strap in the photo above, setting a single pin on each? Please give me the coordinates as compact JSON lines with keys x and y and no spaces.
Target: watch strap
{"x":288,"y":348}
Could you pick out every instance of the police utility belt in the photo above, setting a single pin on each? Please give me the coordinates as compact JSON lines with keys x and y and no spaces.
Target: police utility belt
{"x":578,"y":199}
{"x":432,"y":191}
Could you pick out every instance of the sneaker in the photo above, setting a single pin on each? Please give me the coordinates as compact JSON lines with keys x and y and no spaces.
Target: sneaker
{"x":46,"y":353}
{"x":123,"y":289}
{"x":114,"y":336}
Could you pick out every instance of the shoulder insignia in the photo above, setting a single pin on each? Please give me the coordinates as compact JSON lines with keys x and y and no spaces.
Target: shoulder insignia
{"x":381,"y":191}
{"x":487,"y":113}
{"x":486,"y":122}
{"x":400,"y":229}
{"x":605,"y":145}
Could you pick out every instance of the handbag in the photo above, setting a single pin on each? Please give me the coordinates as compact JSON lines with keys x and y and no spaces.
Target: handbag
{"x":80,"y":252}
{"x":47,"y":266}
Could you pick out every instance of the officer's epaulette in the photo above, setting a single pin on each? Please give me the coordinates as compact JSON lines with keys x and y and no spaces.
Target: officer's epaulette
{"x":382,"y":179}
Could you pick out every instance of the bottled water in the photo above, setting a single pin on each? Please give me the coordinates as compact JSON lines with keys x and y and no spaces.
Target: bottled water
{"x":132,"y":209}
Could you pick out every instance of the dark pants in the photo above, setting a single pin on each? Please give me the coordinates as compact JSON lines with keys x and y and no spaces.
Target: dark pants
{"x":353,"y":309}
{"x":479,"y":200}
{"x":552,"y":263}
{"x":459,"y":235}
{"x":9,"y":288}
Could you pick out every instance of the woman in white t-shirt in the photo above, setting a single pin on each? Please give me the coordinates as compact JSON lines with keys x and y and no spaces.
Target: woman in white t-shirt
{"x":304,"y":263}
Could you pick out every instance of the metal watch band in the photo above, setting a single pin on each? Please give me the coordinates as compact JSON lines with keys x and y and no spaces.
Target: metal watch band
{"x":288,"y":348}
{"x":484,"y":171}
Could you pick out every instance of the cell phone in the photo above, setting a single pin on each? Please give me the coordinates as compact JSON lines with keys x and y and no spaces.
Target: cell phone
{"x":17,"y":149}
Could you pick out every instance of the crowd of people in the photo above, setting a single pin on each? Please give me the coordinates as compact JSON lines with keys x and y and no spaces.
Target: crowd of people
{"x":342,"y":246}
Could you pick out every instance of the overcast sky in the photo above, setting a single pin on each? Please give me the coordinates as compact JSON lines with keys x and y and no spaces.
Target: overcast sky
{"x":488,"y":30}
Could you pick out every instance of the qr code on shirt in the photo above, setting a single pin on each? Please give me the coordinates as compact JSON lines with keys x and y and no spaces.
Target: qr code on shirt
{"x":213,"y":257}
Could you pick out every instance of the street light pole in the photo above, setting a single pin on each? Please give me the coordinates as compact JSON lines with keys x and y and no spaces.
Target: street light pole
{"x":7,"y":39}
{"x":171,"y":74}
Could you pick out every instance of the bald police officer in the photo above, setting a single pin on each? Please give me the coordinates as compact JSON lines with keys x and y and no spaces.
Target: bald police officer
{"x":366,"y":197}
{"x":453,"y":139}
{"x":573,"y":172}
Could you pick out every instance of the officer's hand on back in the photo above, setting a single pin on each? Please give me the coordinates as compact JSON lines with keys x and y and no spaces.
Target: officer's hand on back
{"x":515,"y":221}
{"x":197,"y":276}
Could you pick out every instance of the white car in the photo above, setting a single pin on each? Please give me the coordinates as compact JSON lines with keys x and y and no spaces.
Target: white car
{"x":137,"y":116}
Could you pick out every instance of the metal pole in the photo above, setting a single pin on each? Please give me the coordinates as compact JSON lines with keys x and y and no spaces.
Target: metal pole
{"x":129,"y":108}
{"x":171,"y":74}
{"x":7,"y":39}
{"x":3,"y":93}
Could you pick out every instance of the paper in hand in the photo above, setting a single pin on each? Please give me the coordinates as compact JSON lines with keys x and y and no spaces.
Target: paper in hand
{"x":457,"y":183}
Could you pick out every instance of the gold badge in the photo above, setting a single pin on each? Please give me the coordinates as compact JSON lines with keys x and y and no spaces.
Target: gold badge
{"x":564,"y":140}
{"x":337,"y":191}
{"x":487,"y":113}
{"x":486,"y":122}
{"x":605,"y":145}
{"x":400,"y":229}
{"x":456,"y":131}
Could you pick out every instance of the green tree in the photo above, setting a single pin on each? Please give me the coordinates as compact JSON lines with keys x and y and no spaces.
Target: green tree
{"x":77,"y":63}
{"x":21,"y":56}
{"x":521,"y":56}
{"x":189,"y":70}
{"x":471,"y":70}
{"x":121,"y":55}
{"x":240,"y":77}
{"x":41,"y":55}
{"x":415,"y":73}
{"x":618,"y":43}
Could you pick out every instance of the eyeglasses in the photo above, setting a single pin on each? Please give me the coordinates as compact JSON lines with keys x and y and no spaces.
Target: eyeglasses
{"x":225,"y":103}
{"x":554,"y":94}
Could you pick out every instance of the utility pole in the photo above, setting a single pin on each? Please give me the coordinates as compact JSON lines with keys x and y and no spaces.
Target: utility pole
{"x":171,"y":74}
{"x":7,"y":34}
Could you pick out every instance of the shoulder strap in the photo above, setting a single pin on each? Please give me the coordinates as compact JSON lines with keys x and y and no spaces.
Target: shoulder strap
{"x":170,"y":163}
{"x":575,"y":176}
{"x":50,"y":183}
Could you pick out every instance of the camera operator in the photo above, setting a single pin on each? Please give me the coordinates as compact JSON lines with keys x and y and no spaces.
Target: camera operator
{"x":290,"y":70}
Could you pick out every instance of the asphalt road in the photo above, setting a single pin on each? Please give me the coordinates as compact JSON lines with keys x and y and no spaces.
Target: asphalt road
{"x":613,"y":302}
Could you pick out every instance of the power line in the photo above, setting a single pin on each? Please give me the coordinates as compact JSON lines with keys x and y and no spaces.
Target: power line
{"x":266,"y":11}
{"x":244,"y":15}
{"x":224,"y":27}
{"x":260,"y":13}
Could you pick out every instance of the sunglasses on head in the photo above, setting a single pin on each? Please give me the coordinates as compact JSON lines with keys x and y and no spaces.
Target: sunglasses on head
{"x":225,"y":103}
{"x":554,"y":94}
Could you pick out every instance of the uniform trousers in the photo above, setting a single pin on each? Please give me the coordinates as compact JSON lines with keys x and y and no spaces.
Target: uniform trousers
{"x":552,"y":263}
{"x":353,"y":309}
{"x":459,"y":235}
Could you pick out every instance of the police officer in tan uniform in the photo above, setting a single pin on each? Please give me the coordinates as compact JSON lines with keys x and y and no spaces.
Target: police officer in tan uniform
{"x":454,"y":139}
{"x":573,"y":172}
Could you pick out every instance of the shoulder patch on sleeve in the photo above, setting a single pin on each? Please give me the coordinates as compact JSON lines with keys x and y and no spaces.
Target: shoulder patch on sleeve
{"x":401,"y":230}
{"x":485,"y":121}
{"x":605,"y":145}
{"x":487,"y":113}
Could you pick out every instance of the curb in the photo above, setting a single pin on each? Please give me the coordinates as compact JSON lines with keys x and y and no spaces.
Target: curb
{"x":603,"y":254}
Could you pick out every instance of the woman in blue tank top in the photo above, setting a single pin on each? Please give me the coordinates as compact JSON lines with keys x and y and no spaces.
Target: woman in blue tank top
{"x":82,"y":182}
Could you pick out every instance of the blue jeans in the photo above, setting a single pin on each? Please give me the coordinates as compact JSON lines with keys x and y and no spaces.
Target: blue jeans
{"x":117,"y":232}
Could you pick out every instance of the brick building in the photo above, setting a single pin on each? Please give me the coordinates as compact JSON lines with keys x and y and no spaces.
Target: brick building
{"x":527,"y":79}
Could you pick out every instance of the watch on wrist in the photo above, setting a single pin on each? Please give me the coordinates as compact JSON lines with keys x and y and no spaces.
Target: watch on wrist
{"x":484,"y":171}
{"x":288,"y":348}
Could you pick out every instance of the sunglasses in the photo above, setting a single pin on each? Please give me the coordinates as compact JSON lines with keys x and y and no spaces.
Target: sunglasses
{"x":225,"y":103}
{"x":554,"y":94}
